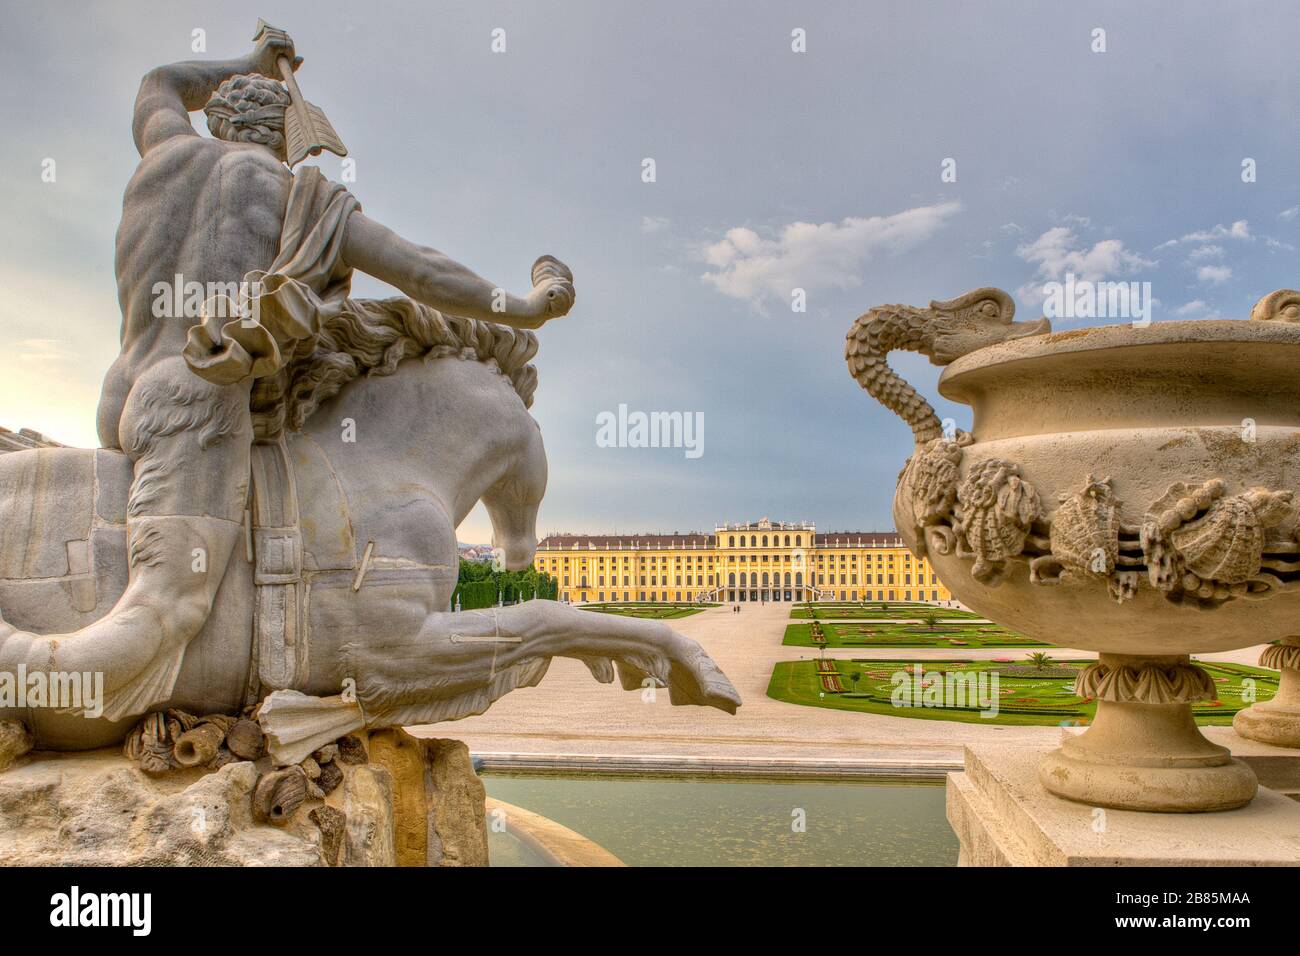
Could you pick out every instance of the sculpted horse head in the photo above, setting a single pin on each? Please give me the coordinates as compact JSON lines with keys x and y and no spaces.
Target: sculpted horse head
{"x":385,"y":438}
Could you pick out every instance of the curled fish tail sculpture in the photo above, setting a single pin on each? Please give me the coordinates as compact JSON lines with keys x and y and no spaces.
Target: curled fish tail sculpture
{"x":873,"y":336}
{"x":943,"y":333}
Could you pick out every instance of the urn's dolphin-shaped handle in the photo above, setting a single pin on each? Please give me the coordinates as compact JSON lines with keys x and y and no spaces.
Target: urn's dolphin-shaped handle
{"x":944,"y":332}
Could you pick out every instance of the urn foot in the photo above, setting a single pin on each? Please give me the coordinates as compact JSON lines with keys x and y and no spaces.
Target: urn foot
{"x":1276,"y":721}
{"x":1143,"y":750}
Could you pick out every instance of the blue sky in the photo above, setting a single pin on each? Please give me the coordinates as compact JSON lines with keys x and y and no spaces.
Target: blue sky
{"x":774,"y":169}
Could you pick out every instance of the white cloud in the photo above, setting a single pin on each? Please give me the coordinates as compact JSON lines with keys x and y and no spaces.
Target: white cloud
{"x":42,"y":350}
{"x":1194,"y":307}
{"x":1205,"y":252}
{"x":1058,"y":251}
{"x":1214,"y":274}
{"x":654,"y":223}
{"x":812,"y":256}
{"x":1238,"y":230}
{"x":1289,"y":214}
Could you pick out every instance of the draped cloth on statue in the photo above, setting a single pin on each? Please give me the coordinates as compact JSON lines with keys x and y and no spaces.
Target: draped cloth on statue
{"x":281,"y":309}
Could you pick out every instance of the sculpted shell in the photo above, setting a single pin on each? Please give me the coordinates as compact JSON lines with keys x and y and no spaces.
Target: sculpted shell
{"x":930,"y":481}
{"x":1199,"y":541}
{"x":1085,"y":529}
{"x":996,"y":508}
{"x":1226,"y":543}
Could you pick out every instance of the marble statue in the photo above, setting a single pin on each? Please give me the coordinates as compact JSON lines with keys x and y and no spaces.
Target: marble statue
{"x":269,"y":527}
{"x":1124,"y":489}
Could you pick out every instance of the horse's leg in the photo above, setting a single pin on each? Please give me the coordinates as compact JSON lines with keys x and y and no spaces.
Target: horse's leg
{"x":513,"y":501}
{"x":458,"y":664}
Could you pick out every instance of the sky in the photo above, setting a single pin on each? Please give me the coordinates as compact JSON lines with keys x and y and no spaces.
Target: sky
{"x":1163,"y":150}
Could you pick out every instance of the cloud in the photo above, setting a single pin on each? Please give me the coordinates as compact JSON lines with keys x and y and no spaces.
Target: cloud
{"x":814,"y":256}
{"x":1238,"y":230}
{"x":1214,"y":274}
{"x":1289,"y":213}
{"x":654,"y":223}
{"x":1205,"y":252}
{"x":42,"y":350}
{"x":1191,"y":308}
{"x":1058,"y":251}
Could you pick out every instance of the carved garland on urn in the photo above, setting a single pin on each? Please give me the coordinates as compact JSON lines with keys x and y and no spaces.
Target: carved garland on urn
{"x":1197,"y":544}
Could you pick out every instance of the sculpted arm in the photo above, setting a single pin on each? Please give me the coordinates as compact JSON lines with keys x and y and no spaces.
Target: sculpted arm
{"x":430,"y":277}
{"x":168,"y":94}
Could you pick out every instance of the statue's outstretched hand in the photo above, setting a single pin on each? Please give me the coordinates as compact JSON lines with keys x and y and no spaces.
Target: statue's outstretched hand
{"x":553,"y":294}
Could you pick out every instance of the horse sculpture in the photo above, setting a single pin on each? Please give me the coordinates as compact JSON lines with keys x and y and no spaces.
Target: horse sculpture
{"x":339,"y":607}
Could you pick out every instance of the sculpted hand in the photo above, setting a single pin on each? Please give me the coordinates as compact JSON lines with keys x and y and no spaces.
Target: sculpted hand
{"x":271,"y":44}
{"x":553,"y":294}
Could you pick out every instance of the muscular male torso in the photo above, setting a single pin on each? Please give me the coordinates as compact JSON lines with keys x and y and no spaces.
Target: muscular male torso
{"x":204,"y":209}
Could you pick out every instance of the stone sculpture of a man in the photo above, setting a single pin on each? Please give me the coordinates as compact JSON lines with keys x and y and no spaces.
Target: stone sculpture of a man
{"x":186,"y":397}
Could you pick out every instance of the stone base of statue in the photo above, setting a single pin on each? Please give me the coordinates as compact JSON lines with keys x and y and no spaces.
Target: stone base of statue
{"x":1003,"y":816}
{"x":397,"y":802}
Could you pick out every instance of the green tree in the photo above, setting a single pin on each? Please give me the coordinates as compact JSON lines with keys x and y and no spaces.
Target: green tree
{"x":478,"y":585}
{"x":1040,"y":659}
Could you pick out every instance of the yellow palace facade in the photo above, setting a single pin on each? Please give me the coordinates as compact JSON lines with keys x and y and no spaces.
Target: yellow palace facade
{"x":759,"y":561}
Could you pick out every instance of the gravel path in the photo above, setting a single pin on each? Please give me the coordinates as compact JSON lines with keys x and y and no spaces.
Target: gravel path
{"x":569,"y":713}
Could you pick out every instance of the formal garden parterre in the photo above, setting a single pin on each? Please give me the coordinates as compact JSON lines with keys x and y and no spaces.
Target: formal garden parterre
{"x":904,"y":625}
{"x":1025,"y":692}
{"x":656,"y":612}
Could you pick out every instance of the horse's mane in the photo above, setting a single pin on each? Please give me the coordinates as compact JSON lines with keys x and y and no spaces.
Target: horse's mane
{"x":371,"y":336}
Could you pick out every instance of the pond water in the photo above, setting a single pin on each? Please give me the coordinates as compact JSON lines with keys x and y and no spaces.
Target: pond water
{"x":712,"y":822}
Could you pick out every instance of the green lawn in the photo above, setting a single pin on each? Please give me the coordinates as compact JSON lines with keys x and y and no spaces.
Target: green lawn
{"x":891,"y":610}
{"x":1024,"y":696}
{"x":657,"y":612}
{"x":954,"y":634}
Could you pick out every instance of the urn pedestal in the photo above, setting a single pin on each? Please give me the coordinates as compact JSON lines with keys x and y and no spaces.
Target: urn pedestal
{"x":1143,"y":750}
{"x":1276,"y":721}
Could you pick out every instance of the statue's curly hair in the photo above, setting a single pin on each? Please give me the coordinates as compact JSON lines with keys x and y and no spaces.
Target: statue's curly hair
{"x":249,"y":108}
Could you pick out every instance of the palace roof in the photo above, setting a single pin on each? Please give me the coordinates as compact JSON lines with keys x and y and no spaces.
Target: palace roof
{"x":696,"y":540}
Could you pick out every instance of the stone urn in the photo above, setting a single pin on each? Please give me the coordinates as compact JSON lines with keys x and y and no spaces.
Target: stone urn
{"x":1126,"y":490}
